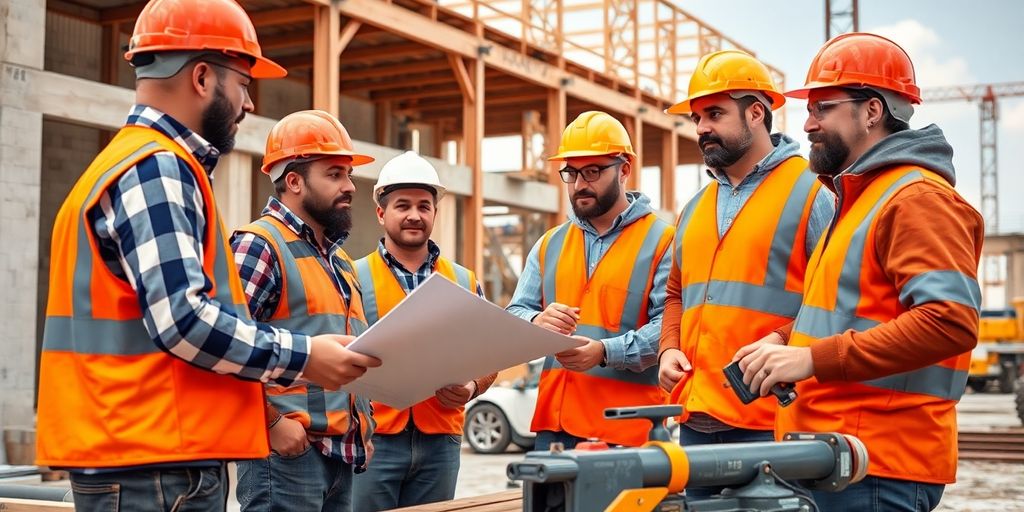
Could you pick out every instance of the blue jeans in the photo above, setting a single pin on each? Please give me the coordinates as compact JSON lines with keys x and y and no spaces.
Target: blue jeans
{"x":308,"y":481}
{"x":154,"y":490}
{"x":876,"y":494}
{"x":408,"y":468}
{"x":691,"y":437}
{"x":546,"y":437}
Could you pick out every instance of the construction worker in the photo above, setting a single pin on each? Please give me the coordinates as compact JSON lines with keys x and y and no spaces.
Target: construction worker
{"x":599,"y":277}
{"x":417,"y":449}
{"x":881,"y":345}
{"x":741,"y":249}
{"x":296,"y":276}
{"x":151,"y":367}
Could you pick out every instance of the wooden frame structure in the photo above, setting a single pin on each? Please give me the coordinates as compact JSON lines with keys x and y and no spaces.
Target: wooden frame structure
{"x":479,"y":68}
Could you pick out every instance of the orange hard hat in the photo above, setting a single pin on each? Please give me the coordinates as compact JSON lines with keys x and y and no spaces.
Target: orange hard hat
{"x":305,"y":134}
{"x":860,"y":59}
{"x":200,"y":25}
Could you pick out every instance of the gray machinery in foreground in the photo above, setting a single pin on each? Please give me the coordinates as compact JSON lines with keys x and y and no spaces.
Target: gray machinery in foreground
{"x":766,"y":476}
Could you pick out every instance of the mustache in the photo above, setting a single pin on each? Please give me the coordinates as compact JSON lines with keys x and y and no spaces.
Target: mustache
{"x":816,"y":137}
{"x":706,"y":138}
{"x":344,"y":198}
{"x":583,"y":193}
{"x":413,"y":225}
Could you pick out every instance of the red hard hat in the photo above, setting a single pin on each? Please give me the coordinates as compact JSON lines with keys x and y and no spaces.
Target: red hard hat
{"x":860,"y":59}
{"x":200,"y":25}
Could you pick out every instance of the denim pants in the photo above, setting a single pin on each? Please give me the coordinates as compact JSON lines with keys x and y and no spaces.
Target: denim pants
{"x":408,"y":468}
{"x":308,"y":482}
{"x":691,"y":437}
{"x":875,"y":494}
{"x":546,"y":437}
{"x":152,"y":490}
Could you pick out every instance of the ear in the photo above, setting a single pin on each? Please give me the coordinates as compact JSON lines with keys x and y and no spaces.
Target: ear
{"x":293,"y":182}
{"x":875,"y":110}
{"x":380,"y":215}
{"x":626,"y":169}
{"x":755,"y":114}
{"x":204,"y":80}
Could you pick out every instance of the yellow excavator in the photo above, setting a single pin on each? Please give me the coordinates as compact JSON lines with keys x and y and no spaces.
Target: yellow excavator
{"x":999,"y":357}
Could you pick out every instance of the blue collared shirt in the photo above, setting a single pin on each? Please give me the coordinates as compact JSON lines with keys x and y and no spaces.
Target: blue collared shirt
{"x":731,"y":199}
{"x":634,"y":350}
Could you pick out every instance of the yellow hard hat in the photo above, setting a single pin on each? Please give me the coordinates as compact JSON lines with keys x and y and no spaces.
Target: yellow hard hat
{"x":729,"y":70}
{"x":593,"y":133}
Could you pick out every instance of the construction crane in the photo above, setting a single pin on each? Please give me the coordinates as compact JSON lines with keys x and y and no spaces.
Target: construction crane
{"x":986,"y":95}
{"x":841,"y":16}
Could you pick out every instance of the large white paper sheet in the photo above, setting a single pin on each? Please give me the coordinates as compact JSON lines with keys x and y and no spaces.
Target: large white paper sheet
{"x":441,"y":334}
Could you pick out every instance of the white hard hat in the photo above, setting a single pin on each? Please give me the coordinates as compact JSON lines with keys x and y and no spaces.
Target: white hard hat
{"x":407,"y":169}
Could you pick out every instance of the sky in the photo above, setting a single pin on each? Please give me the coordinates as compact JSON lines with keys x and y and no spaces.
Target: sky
{"x":951,"y":42}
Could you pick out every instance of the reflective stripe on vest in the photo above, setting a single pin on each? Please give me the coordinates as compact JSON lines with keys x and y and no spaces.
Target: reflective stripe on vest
{"x":108,"y":397}
{"x":310,"y":303}
{"x":381,"y":293}
{"x":815,"y":322}
{"x":907,"y":421}
{"x":739,"y":285}
{"x":612,"y":301}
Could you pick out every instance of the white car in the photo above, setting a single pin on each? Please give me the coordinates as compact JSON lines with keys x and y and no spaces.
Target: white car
{"x":502,"y":415}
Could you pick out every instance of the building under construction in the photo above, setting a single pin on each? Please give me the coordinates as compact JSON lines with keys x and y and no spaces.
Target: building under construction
{"x":435,"y":77}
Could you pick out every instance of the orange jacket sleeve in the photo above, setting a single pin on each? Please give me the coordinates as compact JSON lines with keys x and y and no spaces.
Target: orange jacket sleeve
{"x":673,"y":312}
{"x":924,"y":229}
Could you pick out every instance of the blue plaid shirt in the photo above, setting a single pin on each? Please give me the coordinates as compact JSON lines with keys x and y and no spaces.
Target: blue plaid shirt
{"x":411,"y":280}
{"x":262,"y":282}
{"x":150,"y":228}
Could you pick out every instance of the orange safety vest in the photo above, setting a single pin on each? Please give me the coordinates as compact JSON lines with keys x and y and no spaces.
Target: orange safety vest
{"x":612,"y":301}
{"x":738,"y":289}
{"x":108,"y":396}
{"x":381,"y":293}
{"x":310,"y":304}
{"x":907,"y":421}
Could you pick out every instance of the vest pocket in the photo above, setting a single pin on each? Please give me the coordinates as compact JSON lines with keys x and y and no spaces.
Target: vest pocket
{"x":612,"y":300}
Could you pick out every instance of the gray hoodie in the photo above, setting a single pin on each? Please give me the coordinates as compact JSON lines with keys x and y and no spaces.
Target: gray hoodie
{"x":926,"y":148}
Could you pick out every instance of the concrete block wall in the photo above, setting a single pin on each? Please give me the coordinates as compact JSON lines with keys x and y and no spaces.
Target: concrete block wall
{"x":21,"y":46}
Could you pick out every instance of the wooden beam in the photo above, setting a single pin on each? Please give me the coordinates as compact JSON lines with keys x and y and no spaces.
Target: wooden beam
{"x":556,"y":122}
{"x":472,"y":138}
{"x":362,"y":54}
{"x":635,"y":127}
{"x":383,"y":113}
{"x":394,"y":70}
{"x":326,"y":68}
{"x":286,"y":40}
{"x":422,"y":29}
{"x":282,"y":16}
{"x":383,"y":85}
{"x":669,"y":162}
{"x":347,"y":34}
{"x":461,"y":76}
{"x":122,"y":13}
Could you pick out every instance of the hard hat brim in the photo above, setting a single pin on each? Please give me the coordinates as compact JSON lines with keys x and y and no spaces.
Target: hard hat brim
{"x":803,"y":92}
{"x":357,"y":159}
{"x":560,"y":157}
{"x":683,"y":107}
{"x":266,"y":68}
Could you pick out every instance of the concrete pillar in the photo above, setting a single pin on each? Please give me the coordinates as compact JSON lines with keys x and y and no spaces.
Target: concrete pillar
{"x":232,"y":185}
{"x":21,"y":47}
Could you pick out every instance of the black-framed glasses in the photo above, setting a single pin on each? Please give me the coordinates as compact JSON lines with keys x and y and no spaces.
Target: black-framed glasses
{"x":820,"y":108}
{"x":225,"y":66}
{"x":590,"y":173}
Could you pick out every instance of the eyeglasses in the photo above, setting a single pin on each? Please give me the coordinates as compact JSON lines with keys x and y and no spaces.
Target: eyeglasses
{"x":590,"y":173}
{"x":219,"y":65}
{"x":818,"y":109}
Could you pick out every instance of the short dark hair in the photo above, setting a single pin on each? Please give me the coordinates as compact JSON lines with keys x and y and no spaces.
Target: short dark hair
{"x":746,"y":101}
{"x":300,"y":168}
{"x":889,"y":122}
{"x":385,"y":194}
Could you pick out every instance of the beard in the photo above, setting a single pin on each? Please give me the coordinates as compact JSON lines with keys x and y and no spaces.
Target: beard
{"x":602,"y":203}
{"x":828,"y":159}
{"x":725,"y":153}
{"x":335,"y":219}
{"x":218,"y":122}
{"x":410,"y":239}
